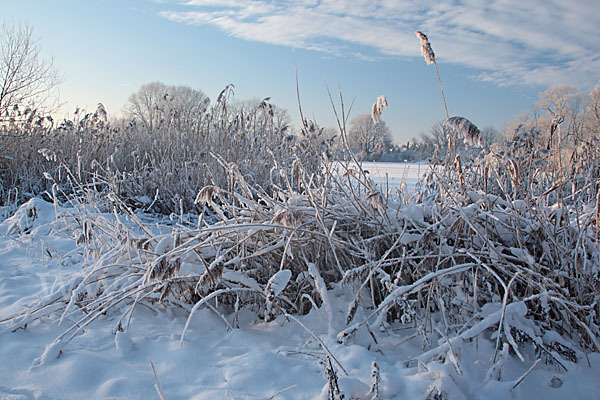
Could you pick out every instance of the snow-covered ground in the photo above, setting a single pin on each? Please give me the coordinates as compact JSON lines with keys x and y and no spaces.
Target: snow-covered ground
{"x":391,"y":176}
{"x":282,"y":359}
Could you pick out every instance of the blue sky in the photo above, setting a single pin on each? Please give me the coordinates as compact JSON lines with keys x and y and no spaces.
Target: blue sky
{"x":494,"y":56}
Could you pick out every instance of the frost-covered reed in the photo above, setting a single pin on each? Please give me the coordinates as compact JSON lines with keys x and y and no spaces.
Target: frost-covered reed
{"x":160,"y":170}
{"x":500,"y":247}
{"x":449,"y":265}
{"x":429,"y":56}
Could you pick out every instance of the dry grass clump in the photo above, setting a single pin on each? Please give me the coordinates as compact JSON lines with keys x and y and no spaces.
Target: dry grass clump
{"x":464,"y":261}
{"x":503,"y":247}
{"x":159,"y":170}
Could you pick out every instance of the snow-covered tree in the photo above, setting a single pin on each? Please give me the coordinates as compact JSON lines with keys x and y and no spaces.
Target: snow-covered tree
{"x":367,"y":138}
{"x":157,"y":104}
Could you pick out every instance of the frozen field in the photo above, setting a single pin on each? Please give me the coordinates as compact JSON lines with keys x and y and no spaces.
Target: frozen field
{"x":396,"y":175}
{"x":392,"y":177}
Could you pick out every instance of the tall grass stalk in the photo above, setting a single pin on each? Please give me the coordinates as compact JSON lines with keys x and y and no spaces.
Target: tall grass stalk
{"x":429,"y":55}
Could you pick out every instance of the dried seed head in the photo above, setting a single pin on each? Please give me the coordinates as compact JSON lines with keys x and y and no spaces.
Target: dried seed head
{"x":350,"y":173}
{"x":284,"y":218}
{"x":212,"y":276}
{"x":465,"y":130}
{"x":101,"y":113}
{"x":375,"y":201}
{"x":353,"y":308}
{"x":48,"y":154}
{"x":378,"y":107}
{"x":422,"y":37}
{"x":514,"y":171}
{"x":206,"y":194}
{"x":139,"y":244}
{"x":426,"y":50}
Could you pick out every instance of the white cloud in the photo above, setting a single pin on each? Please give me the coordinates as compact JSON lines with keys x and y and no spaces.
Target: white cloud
{"x":531,"y":42}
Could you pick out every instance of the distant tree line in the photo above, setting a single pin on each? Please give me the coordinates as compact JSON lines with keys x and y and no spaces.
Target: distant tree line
{"x":27,"y":83}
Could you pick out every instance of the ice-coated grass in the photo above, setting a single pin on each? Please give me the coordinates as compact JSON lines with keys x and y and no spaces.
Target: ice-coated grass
{"x":481,"y":277}
{"x":159,"y":170}
{"x":464,"y":272}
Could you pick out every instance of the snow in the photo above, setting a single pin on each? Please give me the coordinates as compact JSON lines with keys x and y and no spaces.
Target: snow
{"x":280,"y":359}
{"x":123,"y":343}
{"x":278,"y":282}
{"x":391,"y":176}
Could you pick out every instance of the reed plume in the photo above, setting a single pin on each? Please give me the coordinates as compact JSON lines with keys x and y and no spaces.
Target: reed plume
{"x":426,"y":50}
{"x":429,"y":55}
{"x":465,"y":130}
{"x":378,"y":107}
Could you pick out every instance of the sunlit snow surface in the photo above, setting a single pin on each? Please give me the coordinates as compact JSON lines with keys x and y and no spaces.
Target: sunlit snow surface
{"x":391,"y":176}
{"x":259,"y":360}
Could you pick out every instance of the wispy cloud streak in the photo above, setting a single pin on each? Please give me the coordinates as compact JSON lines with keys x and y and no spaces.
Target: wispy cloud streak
{"x":506,"y":42}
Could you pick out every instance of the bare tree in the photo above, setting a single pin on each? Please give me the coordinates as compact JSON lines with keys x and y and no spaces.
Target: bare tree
{"x":157,"y":104}
{"x":370,"y":140}
{"x":25,"y":79}
{"x":592,"y":112}
{"x":561,"y":117}
{"x":489,"y":136}
{"x":435,"y":139}
{"x":526,"y":121}
{"x":564,"y":105}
